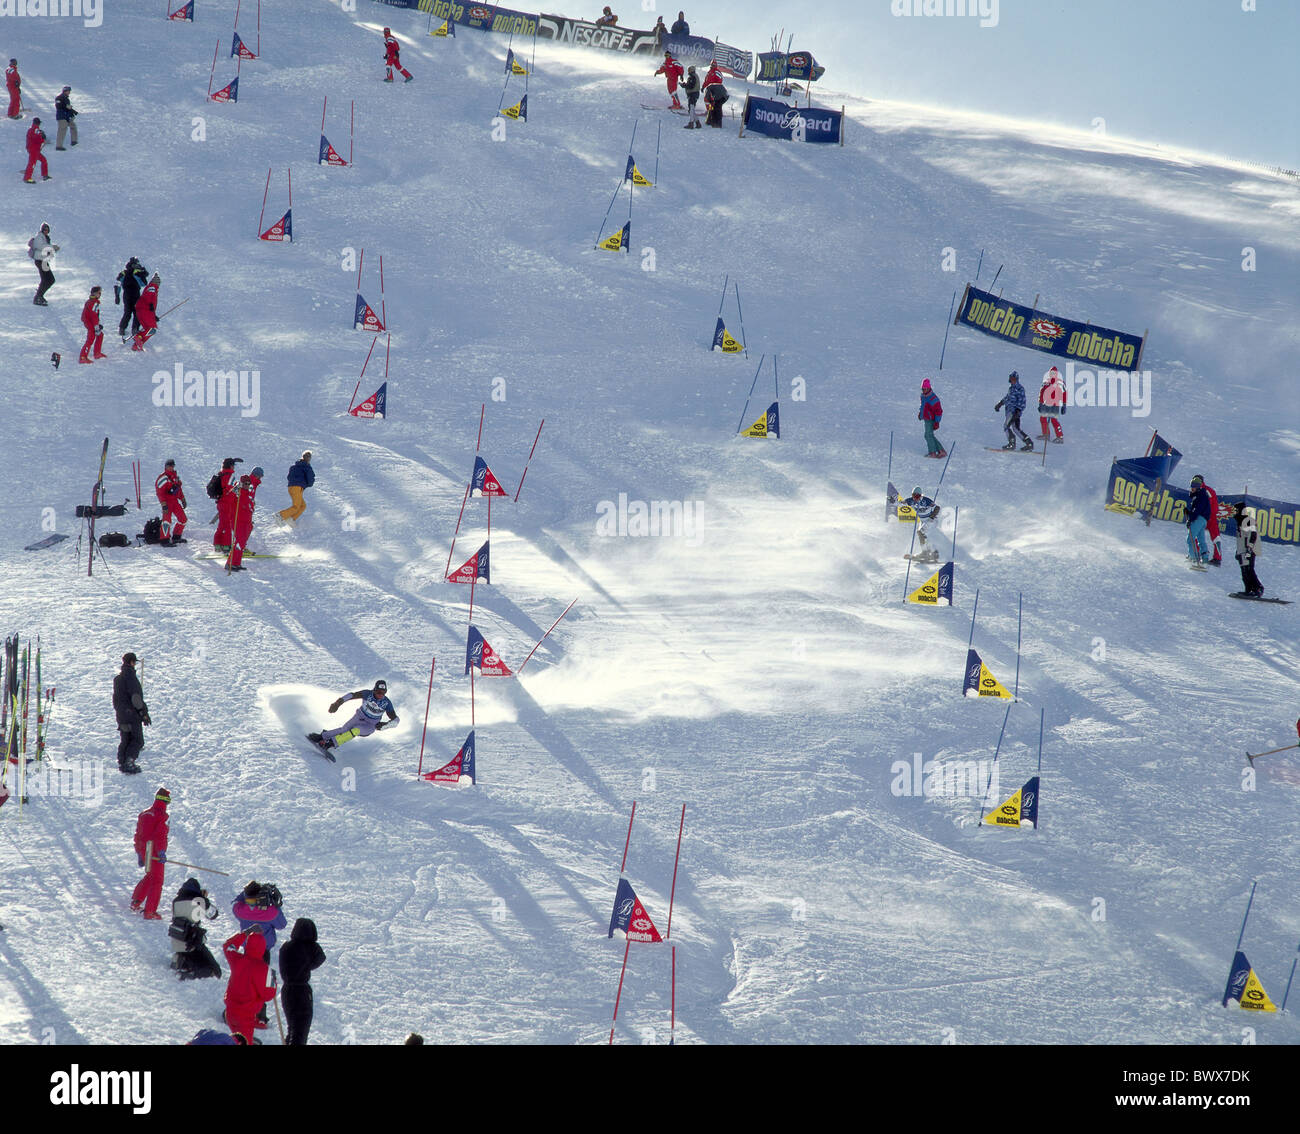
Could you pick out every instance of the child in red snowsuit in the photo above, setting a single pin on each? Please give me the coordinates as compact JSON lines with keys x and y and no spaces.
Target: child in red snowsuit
{"x":94,"y":331}
{"x":672,"y":72}
{"x":35,"y":140}
{"x":245,"y":501}
{"x":172,"y":498}
{"x":392,"y":56}
{"x":151,"y":850}
{"x":252,"y":983}
{"x":146,"y":311}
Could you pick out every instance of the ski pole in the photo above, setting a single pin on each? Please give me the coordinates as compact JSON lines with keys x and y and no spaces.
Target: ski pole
{"x":169,"y":310}
{"x":191,"y":866}
{"x":1284,"y":748}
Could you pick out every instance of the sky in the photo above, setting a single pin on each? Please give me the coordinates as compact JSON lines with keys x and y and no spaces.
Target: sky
{"x":1194,"y":74}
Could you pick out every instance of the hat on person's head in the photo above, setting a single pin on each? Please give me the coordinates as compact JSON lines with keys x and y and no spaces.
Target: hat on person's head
{"x":306,"y":455}
{"x":66,"y":89}
{"x":129,"y":659}
{"x":163,"y":794}
{"x":381,"y":686}
{"x":925,"y":384}
{"x":45,"y":227}
{"x":36,"y":121}
{"x":170,"y":463}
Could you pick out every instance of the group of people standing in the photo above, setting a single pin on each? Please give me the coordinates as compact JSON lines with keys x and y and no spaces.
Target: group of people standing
{"x":65,"y":115}
{"x":715,"y":93}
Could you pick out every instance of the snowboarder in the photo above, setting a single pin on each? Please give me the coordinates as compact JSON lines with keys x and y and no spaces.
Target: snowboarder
{"x":42,"y":251}
{"x":245,"y":503}
{"x":1052,"y":397}
{"x":691,"y":86}
{"x":680,"y":26}
{"x":131,"y":281}
{"x":672,"y":72}
{"x":257,"y":906}
{"x":172,"y":498}
{"x":393,"y":57}
{"x":94,"y":330}
{"x":252,"y":983}
{"x":301,"y":477}
{"x":607,"y":19}
{"x":191,"y":957}
{"x":13,"y":84}
{"x":1248,"y":551}
{"x":715,"y":97}
{"x":223,"y":537}
{"x":1014,"y":403}
{"x":931,"y":412}
{"x":146,"y":313}
{"x":298,"y":957}
{"x":151,"y":851}
{"x":926,"y":511}
{"x":66,"y":118}
{"x":132,"y":715}
{"x":35,"y":140}
{"x":1198,"y":519}
{"x":366,"y":720}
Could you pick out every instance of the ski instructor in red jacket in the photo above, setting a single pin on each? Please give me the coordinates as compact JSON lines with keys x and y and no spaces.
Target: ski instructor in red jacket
{"x":252,"y":983}
{"x":94,"y":331}
{"x":393,"y":57}
{"x":171,"y":495}
{"x":151,"y":851}
{"x":672,"y":72}
{"x":146,"y":311}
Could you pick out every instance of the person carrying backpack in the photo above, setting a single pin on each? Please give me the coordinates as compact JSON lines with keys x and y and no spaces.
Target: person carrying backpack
{"x":715,"y":98}
{"x":131,"y":281}
{"x":191,"y":957}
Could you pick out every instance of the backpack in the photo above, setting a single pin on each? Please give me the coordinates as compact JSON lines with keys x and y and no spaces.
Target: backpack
{"x":214,"y":486}
{"x":115,"y":539}
{"x":153,"y":530}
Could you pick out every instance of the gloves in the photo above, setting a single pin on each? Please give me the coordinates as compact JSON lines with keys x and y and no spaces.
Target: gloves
{"x":117,"y":295}
{"x":99,"y":330}
{"x":140,"y":859}
{"x":258,"y":472}
{"x":997,"y":407}
{"x":918,"y":417}
{"x":1062,"y":411}
{"x":334,"y":708}
{"x":144,"y":718}
{"x":936,"y":423}
{"x":161,"y":856}
{"x":1042,"y":408}
{"x":380,"y":725}
{"x":55,"y":247}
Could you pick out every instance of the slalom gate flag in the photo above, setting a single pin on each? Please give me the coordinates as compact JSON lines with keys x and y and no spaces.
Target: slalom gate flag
{"x":484,"y":481}
{"x":446,"y":28}
{"x":891,"y":502}
{"x":281,"y":229}
{"x":477,"y":566}
{"x":184,"y":12}
{"x":630,"y":918}
{"x":513,"y":66}
{"x":365,"y":317}
{"x":1052,"y":334}
{"x":937,"y":586}
{"x":1021,"y":810}
{"x":237,"y":48}
{"x":723,"y":341}
{"x":228,"y":93}
{"x":481,"y":656}
{"x":980,"y":682}
{"x":459,"y":769}
{"x":1244,"y":987}
{"x":328,"y":154}
{"x":767,"y":425}
{"x":519,"y":111}
{"x":374,"y":406}
{"x":634,"y":175}
{"x":619,"y":241}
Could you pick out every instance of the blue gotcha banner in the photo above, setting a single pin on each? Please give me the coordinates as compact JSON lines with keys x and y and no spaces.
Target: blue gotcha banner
{"x":484,"y":17}
{"x":1065,"y":338}
{"x":794,"y":123}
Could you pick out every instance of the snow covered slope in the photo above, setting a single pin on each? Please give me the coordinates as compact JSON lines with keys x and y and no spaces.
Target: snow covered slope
{"x":759,"y":667}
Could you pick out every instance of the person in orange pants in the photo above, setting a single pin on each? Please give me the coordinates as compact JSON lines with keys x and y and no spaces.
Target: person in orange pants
{"x":151,"y":850}
{"x":245,"y":502}
{"x":94,"y":330}
{"x":301,"y":477}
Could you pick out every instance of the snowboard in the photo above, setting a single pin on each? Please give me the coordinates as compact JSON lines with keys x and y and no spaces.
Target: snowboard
{"x":48,"y":541}
{"x":247,"y":555}
{"x":314,"y":737}
{"x":1258,"y":598}
{"x":1197,"y":567}
{"x":1017,"y":449}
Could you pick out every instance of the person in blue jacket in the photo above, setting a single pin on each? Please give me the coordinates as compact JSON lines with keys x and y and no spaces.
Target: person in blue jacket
{"x":1198,"y":519}
{"x":301,"y":477}
{"x":257,"y":906}
{"x":369,"y":718}
{"x":680,"y":26}
{"x":1015,"y":402}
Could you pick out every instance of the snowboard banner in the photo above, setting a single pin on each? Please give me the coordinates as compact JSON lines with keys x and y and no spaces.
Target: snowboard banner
{"x":1052,"y":334}
{"x":484,"y":17}
{"x":691,"y":48}
{"x":630,"y":918}
{"x":774,"y":119}
{"x":937,"y":586}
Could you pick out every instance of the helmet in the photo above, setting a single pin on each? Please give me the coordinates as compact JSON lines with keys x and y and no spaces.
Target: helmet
{"x":1014,"y":376}
{"x":917,"y":491}
{"x":381,"y":686}
{"x":388,"y":31}
{"x":1198,"y":481}
{"x":170,"y":463}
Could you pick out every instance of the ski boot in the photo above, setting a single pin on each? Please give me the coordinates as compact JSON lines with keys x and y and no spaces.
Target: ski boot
{"x":1009,"y":446}
{"x":1027,"y":447}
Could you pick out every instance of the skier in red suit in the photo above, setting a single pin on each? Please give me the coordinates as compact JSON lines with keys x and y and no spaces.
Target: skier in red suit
{"x":172,"y":498}
{"x":714,"y":75}
{"x":392,"y":56}
{"x":151,"y":850}
{"x":221,"y":538}
{"x":672,"y":72}
{"x":1212,"y":526}
{"x":146,"y":311}
{"x":13,"y":83}
{"x":252,"y":983}
{"x":244,"y":504}
{"x":35,"y":140}
{"x":94,"y":331}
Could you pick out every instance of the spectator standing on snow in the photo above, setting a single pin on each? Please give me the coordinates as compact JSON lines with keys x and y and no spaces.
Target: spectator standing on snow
{"x":245,"y":504}
{"x":1014,"y":402}
{"x":680,"y":26}
{"x":171,"y":495}
{"x":607,"y":19}
{"x":715,"y":97}
{"x":299,"y":956}
{"x":41,"y":250}
{"x":131,"y":281}
{"x":146,"y":313}
{"x":132,"y":714}
{"x":66,"y":118}
{"x":1248,"y":552}
{"x":672,"y":72}
{"x":223,"y":537}
{"x":301,"y":478}
{"x":1198,"y":520}
{"x":13,"y":84}
{"x":1212,"y":527}
{"x":931,"y":412}
{"x":393,"y":57}
{"x":35,"y":140}
{"x":692,"y":88}
{"x":151,"y":828}
{"x":1051,"y":405}
{"x":94,"y":329}
{"x":252,"y":983}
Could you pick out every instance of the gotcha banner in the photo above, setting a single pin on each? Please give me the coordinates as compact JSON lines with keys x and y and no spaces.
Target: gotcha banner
{"x":794,"y":123}
{"x":485,"y":17}
{"x":1052,"y":334}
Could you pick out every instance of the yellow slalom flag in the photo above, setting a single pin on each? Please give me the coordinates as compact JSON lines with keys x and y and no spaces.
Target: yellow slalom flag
{"x":639,"y":179}
{"x":1254,"y":997}
{"x":906,"y":514}
{"x":618,"y":240}
{"x":515,"y":111}
{"x":441,"y":29}
{"x":980,"y":681}
{"x":516,"y":68}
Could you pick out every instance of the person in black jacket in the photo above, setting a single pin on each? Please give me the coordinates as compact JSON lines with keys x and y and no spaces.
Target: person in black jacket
{"x":692,"y":88}
{"x":298,"y":957}
{"x":715,"y":97}
{"x":132,"y":714}
{"x":66,"y":117}
{"x":131,"y":281}
{"x":191,"y":957}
